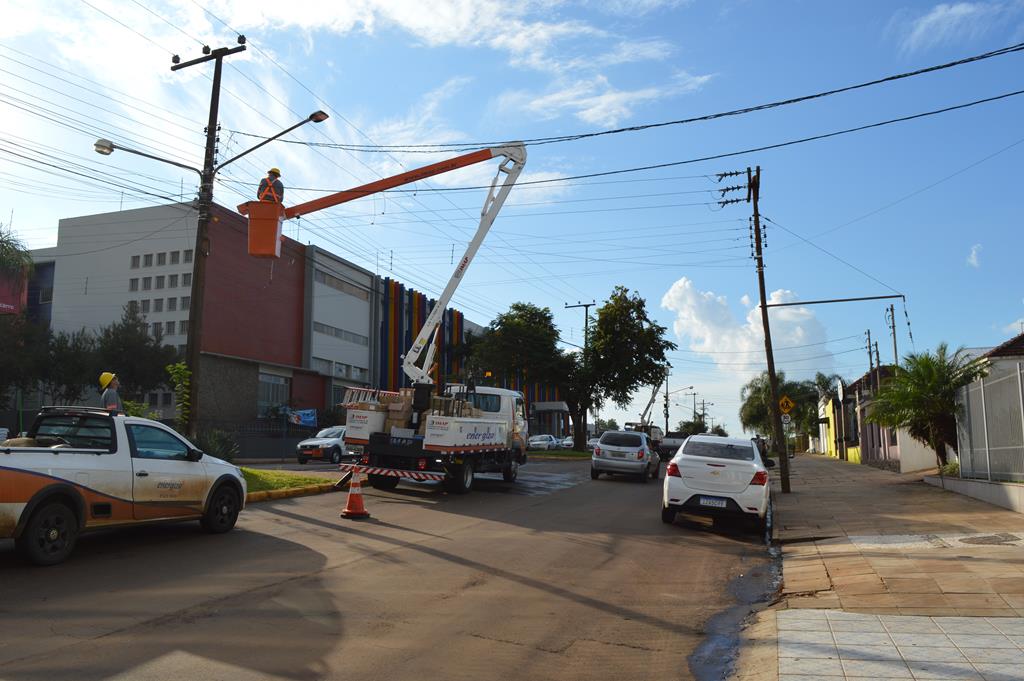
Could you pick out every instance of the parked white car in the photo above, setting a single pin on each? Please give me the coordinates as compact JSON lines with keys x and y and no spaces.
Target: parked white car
{"x":592,"y":442}
{"x":327,"y":446}
{"x":567,"y":442}
{"x":625,"y":451}
{"x":720,"y":477}
{"x":545,"y":442}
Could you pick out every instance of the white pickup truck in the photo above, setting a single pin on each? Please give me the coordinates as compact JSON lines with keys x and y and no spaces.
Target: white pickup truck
{"x":81,"y":468}
{"x":451,"y":449}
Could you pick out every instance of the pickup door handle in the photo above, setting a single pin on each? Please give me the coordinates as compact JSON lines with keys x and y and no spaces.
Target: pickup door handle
{"x":142,"y":474}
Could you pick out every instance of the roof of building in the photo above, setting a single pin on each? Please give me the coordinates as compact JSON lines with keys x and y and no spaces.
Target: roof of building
{"x":1011,"y":348}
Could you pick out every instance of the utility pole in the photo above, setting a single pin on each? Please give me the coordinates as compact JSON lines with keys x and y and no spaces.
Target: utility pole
{"x":667,"y":374}
{"x":202,"y":247}
{"x":586,"y":343}
{"x":778,"y":438}
{"x":891,"y":319}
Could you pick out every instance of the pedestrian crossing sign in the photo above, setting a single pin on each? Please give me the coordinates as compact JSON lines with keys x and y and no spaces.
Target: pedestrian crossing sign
{"x":786,"y":404}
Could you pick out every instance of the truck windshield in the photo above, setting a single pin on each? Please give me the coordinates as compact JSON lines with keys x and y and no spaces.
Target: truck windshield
{"x":85,"y":432}
{"x":483,"y":402}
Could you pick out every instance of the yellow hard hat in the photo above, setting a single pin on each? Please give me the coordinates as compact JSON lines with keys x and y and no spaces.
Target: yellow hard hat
{"x":105,"y":378}
{"x":276,"y":171}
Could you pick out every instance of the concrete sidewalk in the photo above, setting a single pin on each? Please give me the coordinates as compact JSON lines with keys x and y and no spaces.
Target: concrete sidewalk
{"x":857,"y":541}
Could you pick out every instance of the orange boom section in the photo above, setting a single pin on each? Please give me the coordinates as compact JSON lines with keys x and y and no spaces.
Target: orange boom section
{"x":266,"y":218}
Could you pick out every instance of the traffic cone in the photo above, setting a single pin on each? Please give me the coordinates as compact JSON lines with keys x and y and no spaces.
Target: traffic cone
{"x":354,"y":509}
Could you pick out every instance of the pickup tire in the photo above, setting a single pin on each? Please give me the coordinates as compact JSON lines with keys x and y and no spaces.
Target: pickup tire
{"x":383,"y":481}
{"x":222,"y":512}
{"x":460,"y":479}
{"x":50,"y":534}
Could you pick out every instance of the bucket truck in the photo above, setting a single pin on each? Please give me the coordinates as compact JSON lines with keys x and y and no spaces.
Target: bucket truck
{"x":421,"y":433}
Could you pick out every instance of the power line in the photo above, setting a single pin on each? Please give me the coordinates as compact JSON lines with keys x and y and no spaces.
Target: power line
{"x":432,"y":148}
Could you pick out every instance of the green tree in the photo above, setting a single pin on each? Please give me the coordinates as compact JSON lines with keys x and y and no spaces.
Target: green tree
{"x":626,"y":351}
{"x":138,"y":358}
{"x":519,"y":343}
{"x":606,"y":424}
{"x":688,"y":428}
{"x":921,"y":396}
{"x":68,"y":371}
{"x":23,"y":356}
{"x":14,"y":256}
{"x":720,"y":431}
{"x":756,"y":397}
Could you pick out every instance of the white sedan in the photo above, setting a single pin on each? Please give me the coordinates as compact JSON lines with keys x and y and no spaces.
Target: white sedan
{"x":721,"y":477}
{"x":545,"y":442}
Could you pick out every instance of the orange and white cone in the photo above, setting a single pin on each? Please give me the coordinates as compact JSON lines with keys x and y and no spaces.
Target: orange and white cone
{"x":354,"y":509}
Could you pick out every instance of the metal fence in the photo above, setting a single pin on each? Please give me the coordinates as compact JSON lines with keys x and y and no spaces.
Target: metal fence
{"x":990,"y":429}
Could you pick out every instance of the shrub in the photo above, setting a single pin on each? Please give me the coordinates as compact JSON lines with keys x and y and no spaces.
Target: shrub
{"x":218,"y":443}
{"x":951,"y":469}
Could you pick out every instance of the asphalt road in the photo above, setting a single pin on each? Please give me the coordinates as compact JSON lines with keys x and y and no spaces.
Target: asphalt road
{"x":555,"y":577}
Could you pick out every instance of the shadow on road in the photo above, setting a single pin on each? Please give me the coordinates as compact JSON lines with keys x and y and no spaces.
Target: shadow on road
{"x":128,"y":598}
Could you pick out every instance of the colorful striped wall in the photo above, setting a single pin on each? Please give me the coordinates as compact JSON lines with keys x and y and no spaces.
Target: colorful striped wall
{"x":405,"y":310}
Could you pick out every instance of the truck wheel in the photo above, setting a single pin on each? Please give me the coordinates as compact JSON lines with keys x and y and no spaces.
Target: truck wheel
{"x":383,"y":481}
{"x":222,"y":512}
{"x":335,"y":455}
{"x":49,"y":535}
{"x":511,"y":471}
{"x":462,"y":481}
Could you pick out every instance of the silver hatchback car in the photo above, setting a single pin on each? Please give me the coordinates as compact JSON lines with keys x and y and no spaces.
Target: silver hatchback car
{"x":625,"y":451}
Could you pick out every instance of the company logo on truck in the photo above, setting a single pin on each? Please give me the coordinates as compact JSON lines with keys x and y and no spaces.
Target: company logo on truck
{"x":482,"y":437}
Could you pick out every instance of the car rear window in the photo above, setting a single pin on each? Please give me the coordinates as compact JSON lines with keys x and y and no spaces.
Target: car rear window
{"x":718,"y":450}
{"x":622,"y":439}
{"x":84,"y":432}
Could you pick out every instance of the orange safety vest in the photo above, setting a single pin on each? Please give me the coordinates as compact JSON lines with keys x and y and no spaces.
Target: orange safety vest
{"x":269,"y":189}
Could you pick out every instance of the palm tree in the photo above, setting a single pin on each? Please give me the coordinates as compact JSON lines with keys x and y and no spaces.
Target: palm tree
{"x":921,"y":396}
{"x":826,"y":384}
{"x":14,"y":257}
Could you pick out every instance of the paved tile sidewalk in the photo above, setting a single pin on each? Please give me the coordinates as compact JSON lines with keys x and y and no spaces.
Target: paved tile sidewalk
{"x":862,"y":539}
{"x":823,"y":644}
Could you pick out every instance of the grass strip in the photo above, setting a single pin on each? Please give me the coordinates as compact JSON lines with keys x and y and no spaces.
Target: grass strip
{"x":265,"y":480}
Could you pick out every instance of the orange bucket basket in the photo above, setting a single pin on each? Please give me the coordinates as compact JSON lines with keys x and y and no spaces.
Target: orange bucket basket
{"x":265,"y":221}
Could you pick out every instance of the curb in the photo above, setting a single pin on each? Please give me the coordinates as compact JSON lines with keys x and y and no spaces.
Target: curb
{"x":308,"y":490}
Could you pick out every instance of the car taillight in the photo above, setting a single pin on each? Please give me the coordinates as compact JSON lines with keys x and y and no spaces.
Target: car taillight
{"x":421,"y":464}
{"x":597,"y":451}
{"x":760,"y":478}
{"x":673,"y":470}
{"x":639,"y":454}
{"x":365,"y":460}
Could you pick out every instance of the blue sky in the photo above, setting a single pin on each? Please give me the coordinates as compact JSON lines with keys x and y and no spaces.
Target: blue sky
{"x":404,"y":73}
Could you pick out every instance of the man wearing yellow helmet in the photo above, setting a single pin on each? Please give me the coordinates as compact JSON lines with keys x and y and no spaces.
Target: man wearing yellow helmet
{"x":271,"y":188}
{"x":109,"y":385}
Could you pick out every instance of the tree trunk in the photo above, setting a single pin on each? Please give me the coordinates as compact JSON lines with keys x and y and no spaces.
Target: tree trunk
{"x":940,"y":452}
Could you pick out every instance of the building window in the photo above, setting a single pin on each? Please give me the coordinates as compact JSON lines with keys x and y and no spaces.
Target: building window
{"x":340,"y":285}
{"x":158,"y":329}
{"x":186,"y":279}
{"x":182,"y":349}
{"x":170,"y":328}
{"x":160,"y":281}
{"x":133,"y":284}
{"x":349,"y":336}
{"x":183,"y":327}
{"x":145,"y":306}
{"x":340,"y":370}
{"x":168,"y":399}
{"x":185,"y":302}
{"x":45,"y":295}
{"x":158,"y":305}
{"x":322,"y":365}
{"x":188,"y":255}
{"x":135,"y":262}
{"x":273,"y":392}
{"x":172,"y":281}
{"x":161,"y":259}
{"x":147,"y":260}
{"x":337,"y":394}
{"x":172,"y":304}
{"x":359,"y":374}
{"x":147,"y":283}
{"x":175,"y":257}
{"x":154,"y":399}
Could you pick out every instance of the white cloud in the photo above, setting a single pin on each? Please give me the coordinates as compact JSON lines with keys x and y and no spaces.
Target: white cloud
{"x":949,"y":23}
{"x":972,"y":257}
{"x":633,"y":8}
{"x":1015,"y":328}
{"x":745,"y":299}
{"x":596,"y":101}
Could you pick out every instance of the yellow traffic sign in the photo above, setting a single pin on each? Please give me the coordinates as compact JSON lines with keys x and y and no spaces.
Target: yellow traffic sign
{"x":786,"y":404}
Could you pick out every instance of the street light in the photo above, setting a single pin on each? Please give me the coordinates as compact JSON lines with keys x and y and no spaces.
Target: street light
{"x":206,"y":176}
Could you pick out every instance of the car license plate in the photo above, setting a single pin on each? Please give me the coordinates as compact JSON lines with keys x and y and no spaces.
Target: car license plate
{"x":712,"y":501}
{"x":618,"y":454}
{"x":316,"y":452}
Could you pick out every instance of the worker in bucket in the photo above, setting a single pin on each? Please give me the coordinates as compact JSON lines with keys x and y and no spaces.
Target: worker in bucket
{"x":271,"y":188}
{"x":109,"y":385}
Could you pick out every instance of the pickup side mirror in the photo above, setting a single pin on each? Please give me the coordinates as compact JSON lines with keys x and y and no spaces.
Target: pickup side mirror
{"x":194,"y":455}
{"x":769,"y":463}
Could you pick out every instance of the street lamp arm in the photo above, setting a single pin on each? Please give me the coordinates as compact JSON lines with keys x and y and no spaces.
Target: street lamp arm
{"x":106,"y":147}
{"x":315,"y":117}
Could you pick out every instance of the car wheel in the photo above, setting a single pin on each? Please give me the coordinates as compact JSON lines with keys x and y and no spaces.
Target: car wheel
{"x":645,"y":475}
{"x":335,"y":455}
{"x":594,"y":473}
{"x":657,"y":470}
{"x":222,"y":513}
{"x":511,"y":471}
{"x":50,"y":535}
{"x":462,"y":481}
{"x":302,"y":461}
{"x":384,"y":482}
{"x":766,"y":525}
{"x":668,"y":515}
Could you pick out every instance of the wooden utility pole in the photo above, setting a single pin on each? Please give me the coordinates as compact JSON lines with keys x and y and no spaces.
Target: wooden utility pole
{"x":202,"y":247}
{"x":778,"y":437}
{"x":892,"y":327}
